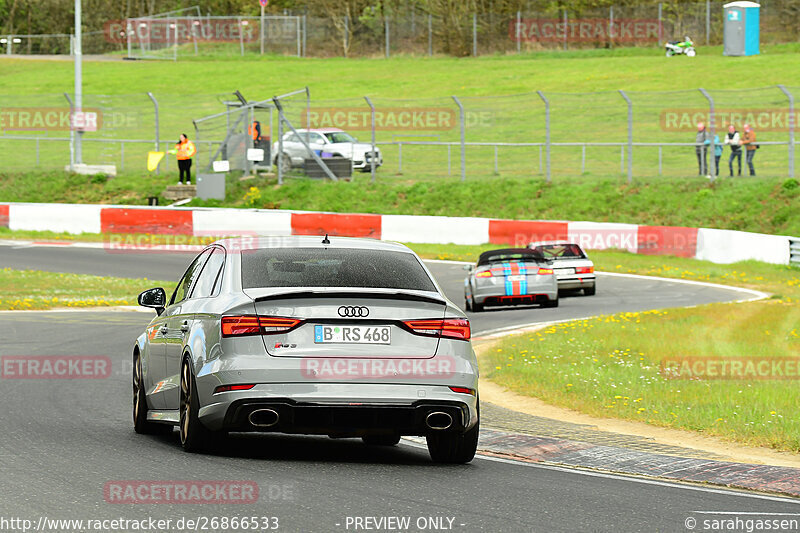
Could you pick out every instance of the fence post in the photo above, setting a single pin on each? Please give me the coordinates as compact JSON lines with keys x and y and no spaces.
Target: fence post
{"x":708,"y":20}
{"x":298,"y":32}
{"x":611,"y":27}
{"x":400,"y":157}
{"x":463,"y":138}
{"x":792,"y":125}
{"x":474,"y":34}
{"x":305,"y":35}
{"x":155,"y":104}
{"x":546,"y":130}
{"x":712,"y":128}
{"x":660,"y":27}
{"x":280,"y":148}
{"x":386,"y":34}
{"x":241,"y":36}
{"x":516,"y":31}
{"x":372,"y":128}
{"x":565,"y":29}
{"x":583,"y":158}
{"x":449,"y":159}
{"x":630,"y":135}
{"x":71,"y":135}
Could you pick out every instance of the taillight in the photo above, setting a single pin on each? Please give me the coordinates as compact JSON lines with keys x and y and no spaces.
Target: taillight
{"x":545,"y":271}
{"x":484,"y":274}
{"x":237,"y":326}
{"x":277,"y":324}
{"x":456,"y":328}
{"x":229,"y":388}
{"x":464,"y":390}
{"x":233,"y":326}
{"x":584,"y":270}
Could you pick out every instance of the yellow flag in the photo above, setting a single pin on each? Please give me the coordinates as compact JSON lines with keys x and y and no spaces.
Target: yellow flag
{"x":153,"y":158}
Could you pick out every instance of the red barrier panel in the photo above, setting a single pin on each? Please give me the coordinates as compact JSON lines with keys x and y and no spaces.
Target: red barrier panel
{"x":520,"y":232}
{"x":667,"y":240}
{"x":336,"y":224}
{"x":161,"y":221}
{"x":3,"y":216}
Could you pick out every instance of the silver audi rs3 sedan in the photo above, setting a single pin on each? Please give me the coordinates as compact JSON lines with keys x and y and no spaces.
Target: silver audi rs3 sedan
{"x":311,"y":335}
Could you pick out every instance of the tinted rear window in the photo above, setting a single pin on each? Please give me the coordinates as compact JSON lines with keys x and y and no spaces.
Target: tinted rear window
{"x":561,"y":251}
{"x":315,"y":267}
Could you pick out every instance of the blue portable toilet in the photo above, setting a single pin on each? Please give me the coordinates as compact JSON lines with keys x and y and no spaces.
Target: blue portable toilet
{"x":741,"y":29}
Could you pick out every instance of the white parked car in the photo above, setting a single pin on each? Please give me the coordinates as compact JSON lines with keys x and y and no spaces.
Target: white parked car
{"x":327,"y":142}
{"x":573,"y":268}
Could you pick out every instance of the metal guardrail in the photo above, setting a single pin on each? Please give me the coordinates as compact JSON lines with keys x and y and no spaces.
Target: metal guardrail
{"x":794,"y":251}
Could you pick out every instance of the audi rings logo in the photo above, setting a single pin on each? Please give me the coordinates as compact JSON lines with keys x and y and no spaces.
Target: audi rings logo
{"x":353,"y":311}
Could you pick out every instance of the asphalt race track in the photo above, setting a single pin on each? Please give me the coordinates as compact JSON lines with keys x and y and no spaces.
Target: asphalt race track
{"x":63,"y":441}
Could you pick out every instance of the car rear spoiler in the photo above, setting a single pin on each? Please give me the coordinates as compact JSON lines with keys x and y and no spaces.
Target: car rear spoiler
{"x":409,"y":296}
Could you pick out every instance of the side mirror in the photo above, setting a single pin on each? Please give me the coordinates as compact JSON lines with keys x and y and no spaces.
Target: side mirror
{"x":155,"y":298}
{"x":467,"y":267}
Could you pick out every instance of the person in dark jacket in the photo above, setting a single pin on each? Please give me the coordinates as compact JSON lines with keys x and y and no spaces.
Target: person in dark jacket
{"x":732,"y":140}
{"x":701,"y":148}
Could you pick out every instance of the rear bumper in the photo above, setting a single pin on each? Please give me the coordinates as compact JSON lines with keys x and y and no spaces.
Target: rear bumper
{"x":576,"y":282}
{"x":526,"y":299}
{"x":340,"y":409}
{"x":345,"y":420}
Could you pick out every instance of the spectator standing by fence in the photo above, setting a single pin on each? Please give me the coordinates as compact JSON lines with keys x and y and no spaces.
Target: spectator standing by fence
{"x":701,"y":148}
{"x":732,"y":140}
{"x":184,"y":151}
{"x":750,"y":147}
{"x":717,"y":152}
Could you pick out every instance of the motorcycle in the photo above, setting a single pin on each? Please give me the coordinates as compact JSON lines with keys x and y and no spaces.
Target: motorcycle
{"x":685,"y":47}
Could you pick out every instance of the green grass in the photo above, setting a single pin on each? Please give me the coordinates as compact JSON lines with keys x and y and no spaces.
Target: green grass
{"x":33,"y":289}
{"x":635,"y":69}
{"x":191,"y":89}
{"x":610,"y":367}
{"x":765,"y":205}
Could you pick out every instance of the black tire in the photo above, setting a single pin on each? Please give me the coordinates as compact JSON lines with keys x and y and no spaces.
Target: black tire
{"x":140,"y":423}
{"x":590,"y":291}
{"x":381,"y":440}
{"x":551,"y":303}
{"x":476,"y":307}
{"x":454,"y":448}
{"x":195,"y":437}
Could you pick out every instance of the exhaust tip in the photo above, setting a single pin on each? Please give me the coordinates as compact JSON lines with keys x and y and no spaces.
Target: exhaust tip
{"x":438,"y":420}
{"x":263,"y":418}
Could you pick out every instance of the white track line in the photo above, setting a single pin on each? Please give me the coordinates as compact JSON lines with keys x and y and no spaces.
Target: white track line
{"x":623,"y":477}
